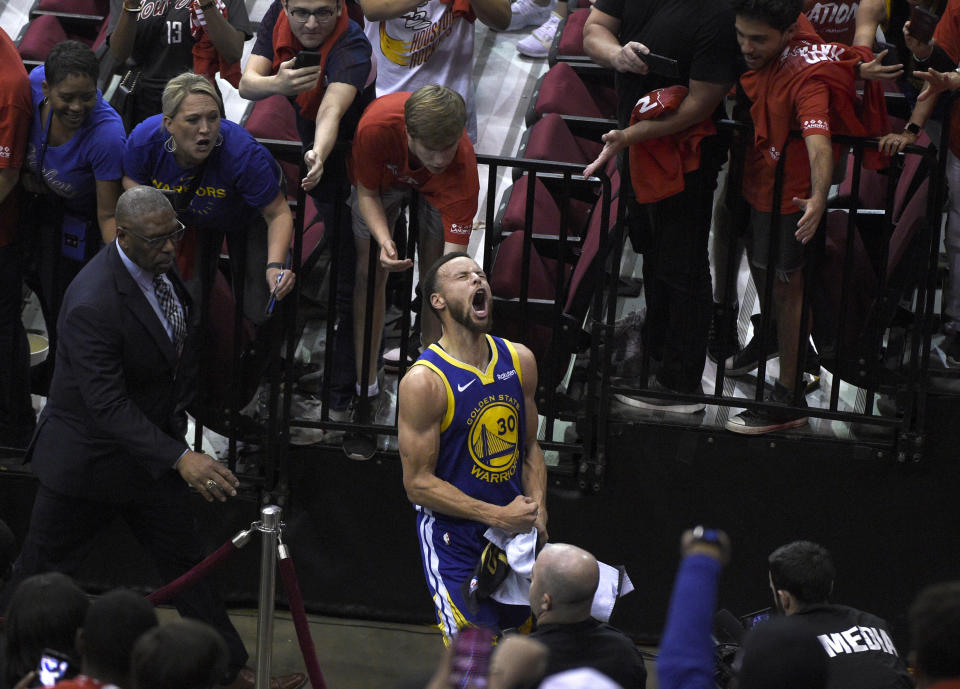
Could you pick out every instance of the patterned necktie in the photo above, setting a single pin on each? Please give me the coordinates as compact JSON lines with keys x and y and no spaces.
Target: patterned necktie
{"x":168,"y":304}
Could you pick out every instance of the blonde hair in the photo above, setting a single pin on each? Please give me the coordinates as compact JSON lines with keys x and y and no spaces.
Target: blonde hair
{"x":182,"y":86}
{"x":435,"y":116}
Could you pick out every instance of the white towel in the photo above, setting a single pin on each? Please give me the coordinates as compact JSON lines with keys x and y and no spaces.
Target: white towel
{"x":521,"y":550}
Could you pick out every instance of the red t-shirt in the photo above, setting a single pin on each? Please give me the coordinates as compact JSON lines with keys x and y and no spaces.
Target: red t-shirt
{"x":15,"y":111}
{"x":381,"y":160}
{"x":809,"y":87}
{"x":811,"y":115}
{"x":835,"y":22}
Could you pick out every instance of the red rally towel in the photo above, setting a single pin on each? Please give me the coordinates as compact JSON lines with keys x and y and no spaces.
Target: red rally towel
{"x":461,"y":8}
{"x":206,"y":59}
{"x":286,"y":46}
{"x":947,"y":36}
{"x":808,"y":57}
{"x":657,"y":166}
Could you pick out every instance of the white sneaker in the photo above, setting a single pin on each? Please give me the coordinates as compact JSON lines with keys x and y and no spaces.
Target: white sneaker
{"x":307,"y":408}
{"x":526,"y":13}
{"x":537,"y":44}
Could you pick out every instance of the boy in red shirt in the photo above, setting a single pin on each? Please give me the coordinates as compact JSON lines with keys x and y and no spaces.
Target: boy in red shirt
{"x":795,"y":82}
{"x":407,"y":142}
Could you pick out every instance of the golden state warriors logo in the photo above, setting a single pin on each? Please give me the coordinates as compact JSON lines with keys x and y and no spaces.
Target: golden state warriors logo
{"x":494,"y":440}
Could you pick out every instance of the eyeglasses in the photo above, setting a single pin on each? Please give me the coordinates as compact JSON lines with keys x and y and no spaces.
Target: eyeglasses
{"x":174,"y":236}
{"x":302,"y":16}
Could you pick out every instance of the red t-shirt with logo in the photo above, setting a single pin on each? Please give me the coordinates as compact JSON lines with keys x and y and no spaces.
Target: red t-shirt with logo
{"x":810,"y":114}
{"x":15,"y":111}
{"x":381,"y":160}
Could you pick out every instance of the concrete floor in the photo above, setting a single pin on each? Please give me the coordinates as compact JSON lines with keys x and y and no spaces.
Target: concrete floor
{"x":353,"y":654}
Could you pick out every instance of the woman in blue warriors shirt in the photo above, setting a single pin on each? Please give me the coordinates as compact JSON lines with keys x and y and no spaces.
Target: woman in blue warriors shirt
{"x":73,"y":167}
{"x":467,"y":429}
{"x":219,"y":178}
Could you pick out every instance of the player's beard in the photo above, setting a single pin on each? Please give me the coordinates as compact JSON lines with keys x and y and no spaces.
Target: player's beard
{"x":463,"y":315}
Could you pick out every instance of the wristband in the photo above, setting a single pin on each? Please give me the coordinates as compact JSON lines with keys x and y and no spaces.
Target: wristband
{"x":277,"y":265}
{"x":913,"y":128}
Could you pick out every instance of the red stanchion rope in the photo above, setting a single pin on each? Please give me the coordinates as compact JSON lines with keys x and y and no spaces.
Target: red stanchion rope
{"x":188,"y":579}
{"x":307,"y":649}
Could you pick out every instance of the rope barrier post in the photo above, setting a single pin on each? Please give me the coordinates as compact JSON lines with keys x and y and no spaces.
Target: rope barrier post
{"x":269,"y":527}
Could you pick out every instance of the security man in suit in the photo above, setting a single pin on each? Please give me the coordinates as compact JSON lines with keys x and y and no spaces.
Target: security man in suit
{"x":110,"y":441}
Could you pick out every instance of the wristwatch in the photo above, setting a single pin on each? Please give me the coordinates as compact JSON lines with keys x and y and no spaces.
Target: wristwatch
{"x":913,"y":128}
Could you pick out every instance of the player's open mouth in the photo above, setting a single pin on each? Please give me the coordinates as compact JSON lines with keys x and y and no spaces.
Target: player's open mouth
{"x":479,"y":303}
{"x":203,"y":143}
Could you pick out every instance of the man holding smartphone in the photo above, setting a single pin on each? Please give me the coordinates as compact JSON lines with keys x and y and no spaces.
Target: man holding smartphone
{"x":312,"y":53}
{"x":671,"y":232}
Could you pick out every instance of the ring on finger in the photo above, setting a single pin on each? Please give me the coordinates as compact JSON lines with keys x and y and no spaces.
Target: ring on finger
{"x":211,"y":484}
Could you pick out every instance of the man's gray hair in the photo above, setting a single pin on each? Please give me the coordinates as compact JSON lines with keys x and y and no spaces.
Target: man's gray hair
{"x":140,"y":201}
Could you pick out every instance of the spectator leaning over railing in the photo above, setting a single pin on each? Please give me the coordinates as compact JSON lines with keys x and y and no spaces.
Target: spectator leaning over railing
{"x":328,"y":98}
{"x":795,"y":81}
{"x":219,"y":179}
{"x":73,"y":170}
{"x":406,"y":142}
{"x":846,"y":22}
{"x":669,"y":214}
{"x":939,"y":58}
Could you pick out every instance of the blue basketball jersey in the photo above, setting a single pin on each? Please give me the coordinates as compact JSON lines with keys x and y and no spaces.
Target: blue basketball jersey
{"x":482,"y":433}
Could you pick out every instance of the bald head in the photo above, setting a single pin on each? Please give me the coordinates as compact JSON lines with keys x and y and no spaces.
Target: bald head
{"x":138,"y":202}
{"x":563,"y":584}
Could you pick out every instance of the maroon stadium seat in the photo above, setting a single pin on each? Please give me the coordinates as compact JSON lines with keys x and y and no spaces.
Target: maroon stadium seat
{"x":570,"y":42}
{"x":562,"y":91}
{"x":40,"y":36}
{"x":96,"y":8}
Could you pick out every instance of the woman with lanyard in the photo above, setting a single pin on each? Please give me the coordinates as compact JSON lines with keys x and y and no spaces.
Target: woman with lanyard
{"x":220,"y":180}
{"x":163,"y":38}
{"x":73,"y":167}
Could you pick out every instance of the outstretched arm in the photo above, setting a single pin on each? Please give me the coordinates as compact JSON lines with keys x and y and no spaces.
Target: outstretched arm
{"x":686,"y":650}
{"x":422,"y":404}
{"x":700,"y":102}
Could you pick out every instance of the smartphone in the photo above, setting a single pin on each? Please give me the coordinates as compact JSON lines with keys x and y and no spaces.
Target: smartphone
{"x":893,"y":55}
{"x":470,"y":661}
{"x":922,"y":23}
{"x":306,"y":58}
{"x":53,"y":667}
{"x":658,"y":64}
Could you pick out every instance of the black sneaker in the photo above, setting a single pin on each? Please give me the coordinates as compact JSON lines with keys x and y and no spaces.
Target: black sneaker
{"x":748,"y":358}
{"x":657,"y":404}
{"x":762,"y":421}
{"x":722,"y":340}
{"x":362,"y":445}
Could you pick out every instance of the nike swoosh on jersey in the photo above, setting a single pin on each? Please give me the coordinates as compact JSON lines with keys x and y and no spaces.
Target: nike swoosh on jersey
{"x":461,"y":388}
